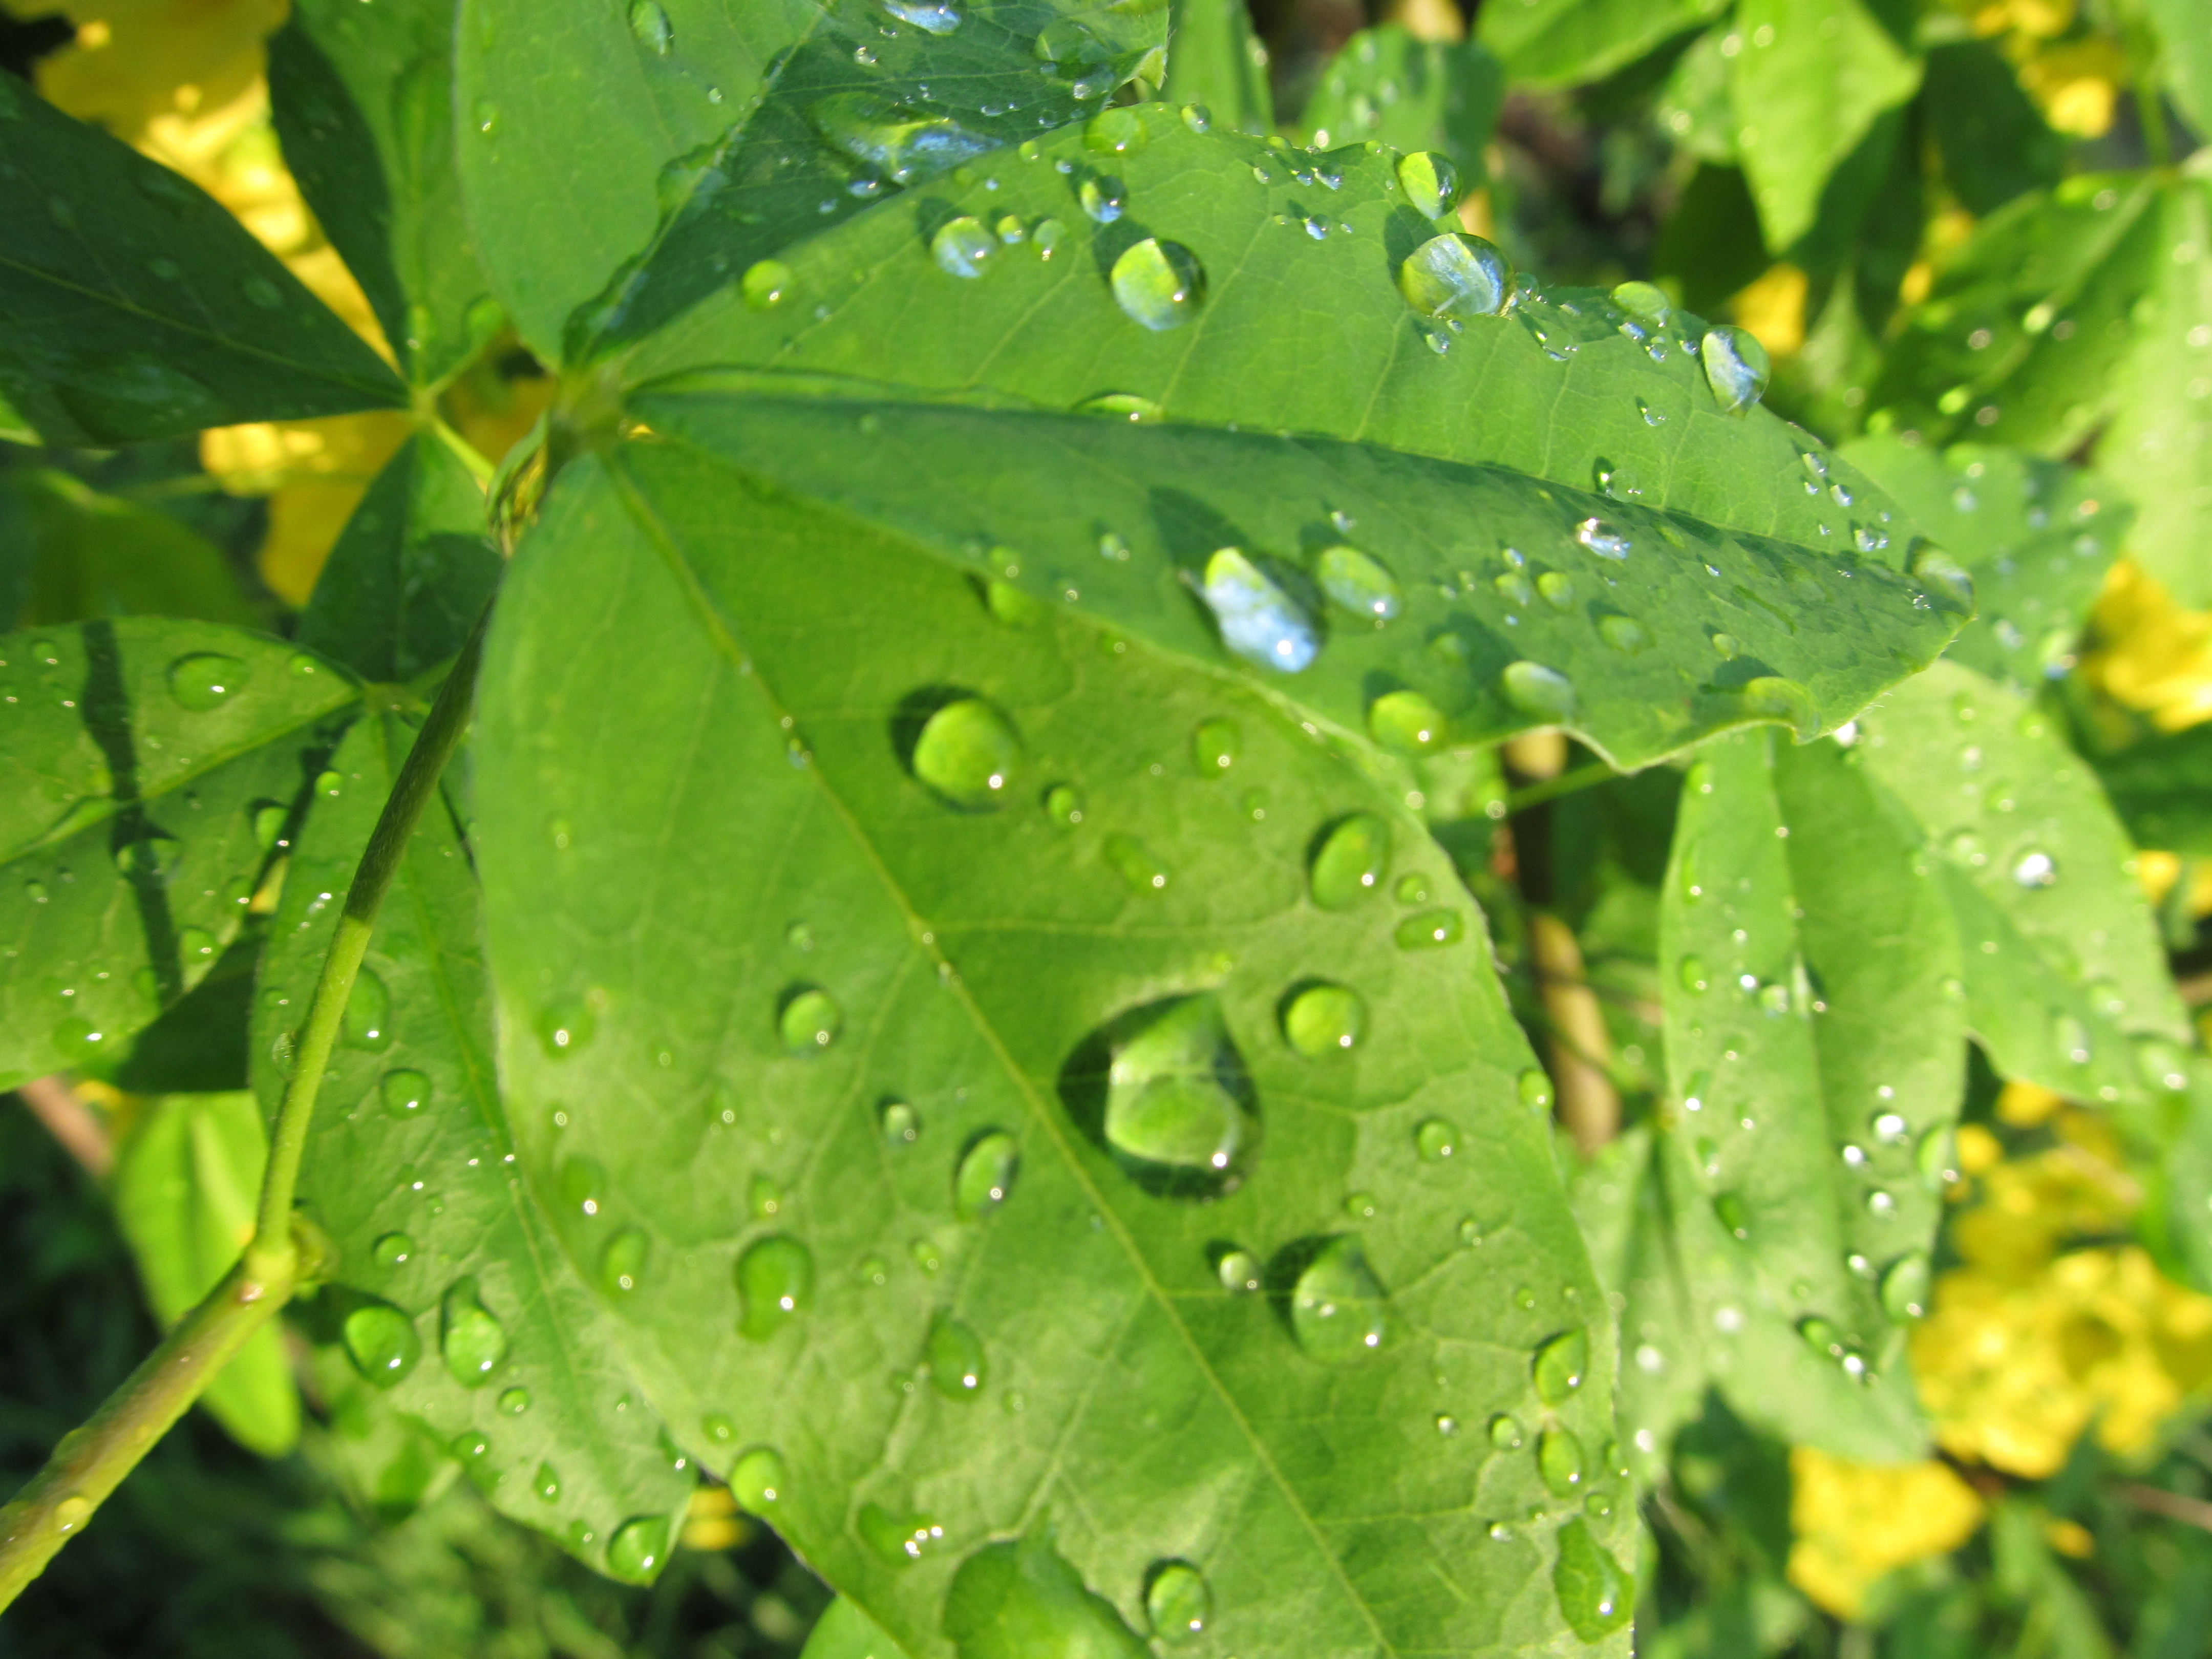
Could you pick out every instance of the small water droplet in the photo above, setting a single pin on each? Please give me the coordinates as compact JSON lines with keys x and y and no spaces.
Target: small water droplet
{"x":1537,"y":690}
{"x":393,"y":1249}
{"x":650,"y":25}
{"x":775,"y":1285}
{"x":899,"y":1537}
{"x":956,"y":1359}
{"x":260,"y":292}
{"x":2035,"y":868}
{"x":1430,"y":929}
{"x":1559,"y":1461}
{"x":637,"y":1550}
{"x":1595,"y":1596}
{"x":962,"y":247}
{"x":1239,"y":1271}
{"x":1506,"y":1432}
{"x":930,"y":17}
{"x":1214,"y":746}
{"x":564,"y":1028}
{"x":766,"y":283}
{"x":1117,"y":131}
{"x":1624,"y":633}
{"x":1338,"y":1309}
{"x":1560,"y":1366}
{"x":1904,"y":1284}
{"x":1137,"y":866}
{"x":382,"y":1343}
{"x":759,"y":1480}
{"x":1430,"y":182}
{"x":1436,"y":1140}
{"x":1643,"y":301}
{"x":1736,"y":367}
{"x":900,"y":1123}
{"x":1604,"y":539}
{"x":368,"y":1022}
{"x":1455,"y":275}
{"x":1407,"y":723}
{"x":1063,"y":804}
{"x":809,"y":1021}
{"x":469,"y":1336}
{"x":968,"y":753}
{"x":1350,"y":861}
{"x":1358,"y":583}
{"x":1325,"y":1019}
{"x":403,"y":1092}
{"x":621,"y":1263}
{"x":986,"y":1175}
{"x":205,"y":680}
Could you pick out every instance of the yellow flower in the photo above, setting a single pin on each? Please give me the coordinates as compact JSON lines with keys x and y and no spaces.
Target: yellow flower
{"x":1773,"y":309}
{"x":2024,"y":1105}
{"x":2076,"y":84}
{"x":1852,"y":1522}
{"x":2150,"y":653}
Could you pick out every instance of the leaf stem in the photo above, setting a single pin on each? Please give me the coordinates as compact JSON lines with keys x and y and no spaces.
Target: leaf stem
{"x":1567,"y":783}
{"x":92,"y":1460}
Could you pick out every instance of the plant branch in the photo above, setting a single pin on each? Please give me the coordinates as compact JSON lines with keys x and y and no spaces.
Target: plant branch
{"x":55,"y":1105}
{"x":1567,"y":783}
{"x":92,"y":1460}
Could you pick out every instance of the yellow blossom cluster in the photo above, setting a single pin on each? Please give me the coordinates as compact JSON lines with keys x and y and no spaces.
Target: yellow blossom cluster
{"x":2150,"y":655}
{"x":1852,"y":1522}
{"x":2074,"y":77}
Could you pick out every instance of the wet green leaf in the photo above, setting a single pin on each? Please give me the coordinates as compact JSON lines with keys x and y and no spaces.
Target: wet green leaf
{"x":1994,"y":141}
{"x":151,"y":764}
{"x":407,"y":1170}
{"x":2161,"y":788}
{"x":1411,"y":94}
{"x":77,"y":552}
{"x":132,"y":306}
{"x":983,"y":967}
{"x":845,"y":1633}
{"x":1566,"y":42}
{"x":362,"y":97}
{"x":186,"y":1180}
{"x":2185,"y":58}
{"x":1216,"y":61}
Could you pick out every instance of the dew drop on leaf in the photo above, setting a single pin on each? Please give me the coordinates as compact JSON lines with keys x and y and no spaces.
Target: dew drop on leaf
{"x":1407,"y":723}
{"x":1643,"y":301}
{"x":1455,"y":276}
{"x":621,"y":1263}
{"x":956,"y":1359}
{"x":1735,"y":367}
{"x":900,"y":1123}
{"x":1214,"y":747}
{"x":1350,"y":862}
{"x":1136,"y":864}
{"x":649,"y":23}
{"x":1948,"y":581}
{"x":1239,"y":1271}
{"x":766,"y":283}
{"x":986,"y":1175}
{"x":1604,"y":539}
{"x":1197,"y":117}
{"x":1338,"y":1308}
{"x":759,"y":1481}
{"x":1559,"y":1461}
{"x":969,"y":754}
{"x":546,"y":1483}
{"x":809,"y":1021}
{"x":1773,"y":697}
{"x":1534,"y":690}
{"x":930,"y":17}
{"x":962,"y":247}
{"x":1506,"y":1432}
{"x":469,"y":1336}
{"x":2035,"y":868}
{"x":1692,"y":974}
{"x":1118,"y":131}
{"x":1102,"y":199}
{"x":1175,"y":1098}
{"x":393,"y":1249}
{"x":1734,"y":1214}
{"x":1560,"y":1366}
{"x":1063,"y":804}
{"x":368,"y":1022}
{"x":1436,"y":1140}
{"x":565,"y":1028}
{"x":1430,"y":929}
{"x":1624,"y":633}
{"x":1258,"y":619}
{"x":1357,"y":583}
{"x":898,"y":1538}
{"x":775,"y":1285}
{"x":381,"y":1342}
{"x":205,"y":680}
{"x":1158,"y":284}
{"x":1904,"y":1284}
{"x":1021,"y":1600}
{"x":1325,"y":1019}
{"x":635,"y":1551}
{"x":403,"y":1092}
{"x":1177,"y":1602}
{"x":1595,"y":1596}
{"x":1536,"y":1090}
{"x":1430,"y":182}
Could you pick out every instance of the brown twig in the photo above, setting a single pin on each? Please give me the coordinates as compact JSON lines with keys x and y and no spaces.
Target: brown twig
{"x":2191,"y":1511}
{"x":70,"y":1121}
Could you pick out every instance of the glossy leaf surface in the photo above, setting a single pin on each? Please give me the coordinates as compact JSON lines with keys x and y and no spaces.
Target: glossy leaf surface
{"x":152,"y":764}
{"x":1411,"y":94}
{"x":1564,"y":42}
{"x":979,"y":1065}
{"x":69,"y":551}
{"x":133,"y":307}
{"x":1216,"y":61}
{"x":451,"y":1296}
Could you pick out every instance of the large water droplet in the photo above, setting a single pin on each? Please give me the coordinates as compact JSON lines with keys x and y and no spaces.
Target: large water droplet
{"x":1430,"y":182}
{"x":381,"y":1342}
{"x":1118,"y":131}
{"x":2035,"y":868}
{"x":775,"y":1285}
{"x":1159,"y":284}
{"x":1258,"y":618}
{"x":956,"y":1359}
{"x":1174,"y":1112}
{"x":1239,"y":1271}
{"x":1534,"y":690}
{"x":403,"y":1092}
{"x":759,"y":1481}
{"x":640,"y":1544}
{"x":469,"y":1336}
{"x":1178,"y":1602}
{"x":930,"y":17}
{"x":962,"y":247}
{"x":1736,"y":367}
{"x":1102,"y":199}
{"x":1455,"y":275}
{"x":1350,"y":862}
{"x":1020,"y":1599}
{"x":1560,"y":1366}
{"x":1595,"y":1596}
{"x":205,"y":680}
{"x":1648,"y":304}
{"x":907,"y":144}
{"x":1407,"y":723}
{"x":650,"y":24}
{"x":968,"y":753}
{"x":986,"y":1175}
{"x":809,"y":1021}
{"x":1559,"y":1461}
{"x":368,"y":1023}
{"x":1325,"y":1019}
{"x":1904,"y":1284}
{"x":1436,"y":1140}
{"x":1357,"y":583}
{"x":1338,"y":1310}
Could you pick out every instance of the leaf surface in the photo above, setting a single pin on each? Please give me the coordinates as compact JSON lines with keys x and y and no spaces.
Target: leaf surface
{"x":2185,"y":59}
{"x":1217,"y":62}
{"x":1411,"y":94}
{"x":151,"y":765}
{"x":1566,"y":42}
{"x":708,"y":707}
{"x":76,"y":552}
{"x":2161,"y":788}
{"x":845,"y":1633}
{"x":132,"y":306}
{"x":620,"y":160}
{"x":2063,"y":972}
{"x":362,"y":97}
{"x":452,"y":1295}
{"x":186,"y":1179}
{"x":1994,"y":142}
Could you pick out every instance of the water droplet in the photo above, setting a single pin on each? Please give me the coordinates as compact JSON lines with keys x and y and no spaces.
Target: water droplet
{"x":1948,"y":581}
{"x":1692,"y":974}
{"x":1158,"y":284}
{"x":381,"y":1342}
{"x":1603,"y":539}
{"x":403,"y":1092}
{"x":1534,"y":690}
{"x":1020,"y":1598}
{"x":1595,"y":1596}
{"x":1258,"y":619}
{"x":930,"y":17}
{"x":2161,"y":1064}
{"x":962,"y":247}
{"x":486,"y":116}
{"x":1118,"y":131}
{"x":1559,"y":1461}
{"x":261,"y":292}
{"x":906,"y":145}
{"x":205,"y":680}
{"x":900,"y":1122}
{"x":622,"y":1264}
{"x":1413,"y":888}
{"x":1239,"y":1271}
{"x":393,"y":1249}
{"x":1357,"y":583}
{"x":1644,"y":302}
{"x":649,"y":23}
{"x":546,"y":1483}
{"x":635,"y":1551}
{"x":1213,"y":748}
{"x":368,"y":1022}
{"x":2035,"y":868}
{"x":1455,"y":275}
{"x":1736,"y":367}
{"x":1325,"y":1019}
{"x":1407,"y":723}
{"x":514,"y":1401}
{"x":1506,"y":1432}
{"x":469,"y":1336}
{"x":1558,"y":588}
{"x":1138,"y":866}
{"x":1560,"y":1365}
{"x":1430,"y":929}
{"x":1063,"y":804}
{"x":1436,"y":1140}
{"x":1178,"y":1602}
{"x":956,"y":1359}
{"x":1338,"y":1311}
{"x":986,"y":1175}
{"x":72,"y":1512}
{"x":809,"y":1021}
{"x":564,"y":1028}
{"x":2071,"y":1038}
{"x":1350,"y":861}
{"x":1430,"y":182}
{"x":1175,"y":1110}
{"x":765,"y":283}
{"x":1775,"y":698}
{"x":1905,"y":1286}
{"x":1774,"y":999}
{"x":1624,"y":633}
{"x":1734,"y":1214}
{"x":775,"y":1285}
{"x":968,"y":753}
{"x":759,"y":1481}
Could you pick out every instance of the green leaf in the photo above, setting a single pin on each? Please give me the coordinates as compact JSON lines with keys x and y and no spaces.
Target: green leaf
{"x":2036,"y":537}
{"x":186,"y":1179}
{"x":197,"y":1045}
{"x":1810,"y":78}
{"x":1695,"y":110}
{"x":152,"y":765}
{"x":2065,"y":976}
{"x":2185,"y":58}
{"x":1568,"y":42}
{"x":78,"y":553}
{"x":384,"y":1460}
{"x":451,"y":1293}
{"x":1801,"y":957}
{"x":845,"y":1633}
{"x":362,"y":97}
{"x":133,"y":307}
{"x":756,"y":913}
{"x":1216,"y":62}
{"x":2161,"y":788}
{"x":626,"y":159}
{"x":1994,"y":141}
{"x":1411,"y":95}
{"x":411,"y":570}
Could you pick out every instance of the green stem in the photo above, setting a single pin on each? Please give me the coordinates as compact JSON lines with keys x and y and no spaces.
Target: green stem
{"x":1567,"y":783}
{"x":2158,"y":144}
{"x":92,"y":1460}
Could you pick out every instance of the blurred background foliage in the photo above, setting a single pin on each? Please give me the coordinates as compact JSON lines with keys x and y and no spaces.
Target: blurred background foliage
{"x":1913,"y":206}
